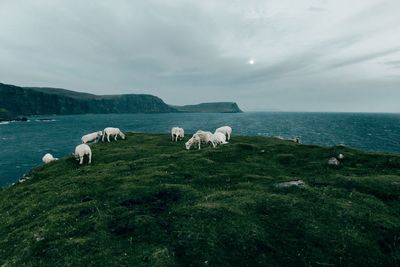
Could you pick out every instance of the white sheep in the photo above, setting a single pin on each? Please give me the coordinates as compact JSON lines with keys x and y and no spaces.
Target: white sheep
{"x":82,"y":150}
{"x":110,"y":132}
{"x":176,"y":133}
{"x":48,"y":158}
{"x":218,"y":139}
{"x":91,"y":137}
{"x":226,"y":130}
{"x":198,"y":138}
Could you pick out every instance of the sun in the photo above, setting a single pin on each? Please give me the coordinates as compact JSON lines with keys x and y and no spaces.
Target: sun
{"x":251,"y":61}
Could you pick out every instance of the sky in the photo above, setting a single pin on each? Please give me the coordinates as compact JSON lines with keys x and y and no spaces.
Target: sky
{"x":283,"y":55}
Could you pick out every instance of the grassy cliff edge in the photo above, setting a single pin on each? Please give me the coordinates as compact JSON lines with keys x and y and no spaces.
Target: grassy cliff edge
{"x":146,"y":201}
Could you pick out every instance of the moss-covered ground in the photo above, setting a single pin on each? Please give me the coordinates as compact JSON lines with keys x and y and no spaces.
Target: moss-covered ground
{"x":146,"y":201}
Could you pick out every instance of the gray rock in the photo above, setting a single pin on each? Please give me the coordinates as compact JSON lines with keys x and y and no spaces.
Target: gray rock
{"x":298,"y":183}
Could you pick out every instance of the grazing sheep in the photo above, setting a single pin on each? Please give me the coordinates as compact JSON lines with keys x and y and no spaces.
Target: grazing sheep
{"x":82,"y":150}
{"x":226,"y":130}
{"x":333,"y":162}
{"x":218,"y":139}
{"x":176,"y":133}
{"x":110,"y":131}
{"x":296,"y":140}
{"x":92,"y":137}
{"x":340,"y":156}
{"x":48,"y":158}
{"x":198,"y":138}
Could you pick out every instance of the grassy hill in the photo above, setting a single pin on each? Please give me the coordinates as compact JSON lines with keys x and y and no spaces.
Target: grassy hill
{"x":146,"y":201}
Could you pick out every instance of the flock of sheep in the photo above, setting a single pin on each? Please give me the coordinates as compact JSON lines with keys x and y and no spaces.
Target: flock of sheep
{"x":219,"y":137}
{"x":84,"y":149}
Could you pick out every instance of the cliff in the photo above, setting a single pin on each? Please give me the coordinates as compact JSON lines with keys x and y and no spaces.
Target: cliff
{"x":15,"y":100}
{"x":24,"y":101}
{"x":217,"y":107}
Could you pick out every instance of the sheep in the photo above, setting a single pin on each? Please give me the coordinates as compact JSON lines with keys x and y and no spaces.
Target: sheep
{"x":176,"y":133}
{"x":91,"y":137}
{"x":199,"y":137}
{"x":48,"y":158}
{"x":296,"y":140}
{"x":218,"y":139}
{"x":82,"y":150}
{"x":109,"y":131}
{"x":226,"y":130}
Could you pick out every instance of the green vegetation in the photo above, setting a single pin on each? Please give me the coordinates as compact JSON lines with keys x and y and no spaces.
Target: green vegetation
{"x":146,"y":201}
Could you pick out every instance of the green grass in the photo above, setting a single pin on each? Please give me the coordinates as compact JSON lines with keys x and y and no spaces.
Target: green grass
{"x":146,"y":201}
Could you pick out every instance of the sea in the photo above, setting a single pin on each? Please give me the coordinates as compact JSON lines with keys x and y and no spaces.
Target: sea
{"x":23,"y":144}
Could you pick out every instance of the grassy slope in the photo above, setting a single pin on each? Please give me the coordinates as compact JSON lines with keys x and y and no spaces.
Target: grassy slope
{"x":147,"y":201}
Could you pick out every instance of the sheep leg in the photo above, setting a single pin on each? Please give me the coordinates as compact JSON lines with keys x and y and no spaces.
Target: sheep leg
{"x":229,"y":136}
{"x":80,"y":160}
{"x":115,"y":138}
{"x":90,"y":157}
{"x":108,"y":138}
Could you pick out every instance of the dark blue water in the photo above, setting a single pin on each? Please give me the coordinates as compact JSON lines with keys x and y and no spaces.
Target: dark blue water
{"x":22,"y":144}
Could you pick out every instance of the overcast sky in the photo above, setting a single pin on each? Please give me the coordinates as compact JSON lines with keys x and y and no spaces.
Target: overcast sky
{"x":303,"y":55}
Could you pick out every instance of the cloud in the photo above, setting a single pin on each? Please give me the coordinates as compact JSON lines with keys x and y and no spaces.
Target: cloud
{"x":363,"y":58}
{"x":192,"y":51}
{"x":316,"y":9}
{"x":393,"y":63}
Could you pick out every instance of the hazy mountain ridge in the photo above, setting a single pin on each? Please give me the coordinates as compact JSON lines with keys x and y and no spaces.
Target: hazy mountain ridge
{"x":25,"y":101}
{"x":219,"y":107}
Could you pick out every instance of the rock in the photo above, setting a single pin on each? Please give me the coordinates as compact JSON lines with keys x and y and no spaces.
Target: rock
{"x":38,"y":237}
{"x":333,"y":162}
{"x":298,"y":183}
{"x":340,"y":156}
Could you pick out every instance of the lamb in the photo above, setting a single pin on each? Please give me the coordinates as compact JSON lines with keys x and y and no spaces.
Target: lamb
{"x":109,"y":131}
{"x":218,"y":139}
{"x":48,"y":158}
{"x":176,"y":133}
{"x":199,"y":137}
{"x":82,"y":150}
{"x":226,"y":130}
{"x":91,"y":137}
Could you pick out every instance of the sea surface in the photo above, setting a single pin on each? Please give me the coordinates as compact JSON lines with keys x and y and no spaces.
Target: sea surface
{"x":23,"y":144}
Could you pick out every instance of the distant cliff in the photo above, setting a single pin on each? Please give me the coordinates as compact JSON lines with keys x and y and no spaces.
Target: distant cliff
{"x":16,"y":101}
{"x":25,"y":101}
{"x":217,"y":107}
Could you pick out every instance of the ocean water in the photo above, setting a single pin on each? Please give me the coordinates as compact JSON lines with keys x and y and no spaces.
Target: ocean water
{"x":23,"y":144}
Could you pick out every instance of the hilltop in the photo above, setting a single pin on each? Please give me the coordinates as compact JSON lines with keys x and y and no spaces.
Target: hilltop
{"x":146,"y":201}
